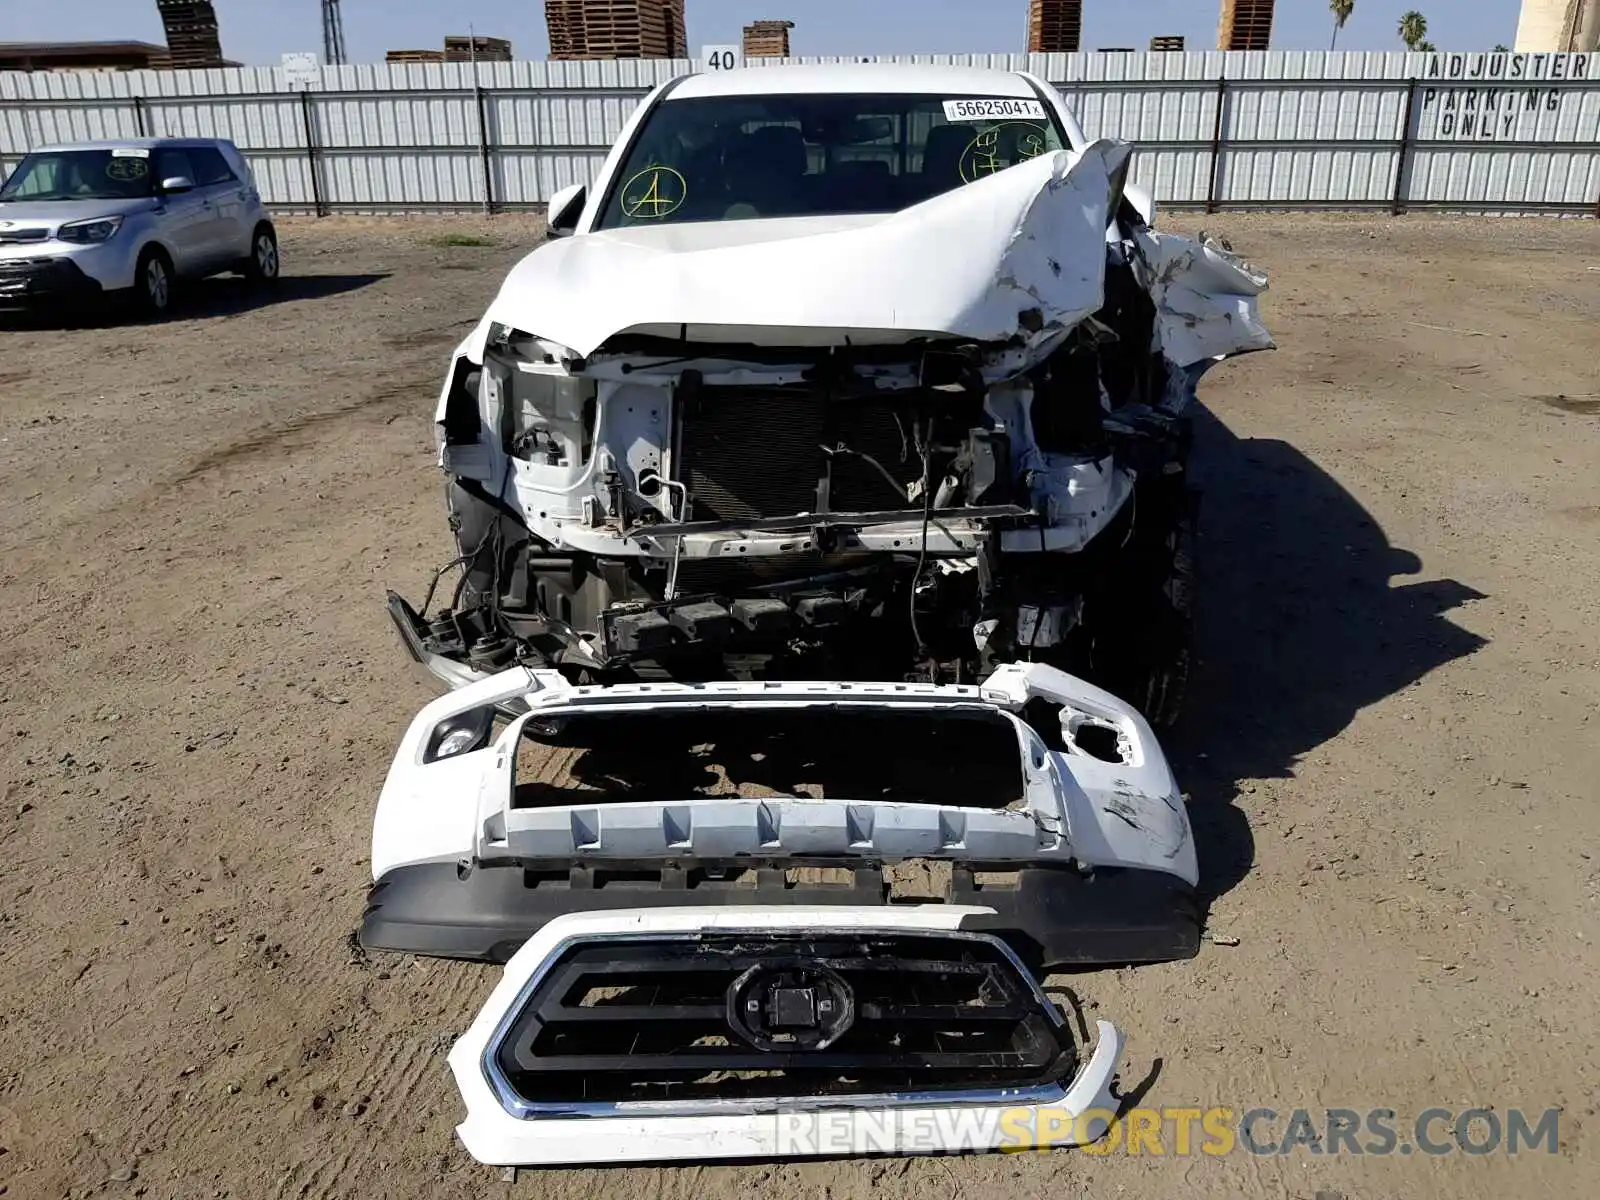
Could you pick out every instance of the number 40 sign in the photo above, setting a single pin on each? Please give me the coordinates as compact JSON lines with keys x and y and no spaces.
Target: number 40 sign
{"x":722,"y":58}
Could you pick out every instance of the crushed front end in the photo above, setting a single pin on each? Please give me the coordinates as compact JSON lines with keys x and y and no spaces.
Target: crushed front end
{"x":839,"y":487}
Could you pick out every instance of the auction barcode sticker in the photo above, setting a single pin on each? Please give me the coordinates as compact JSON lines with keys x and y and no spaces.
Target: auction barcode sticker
{"x":130,"y":152}
{"x":972,"y":110}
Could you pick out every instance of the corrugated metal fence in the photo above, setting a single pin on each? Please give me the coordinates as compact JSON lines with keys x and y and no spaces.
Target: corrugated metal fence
{"x":1470,"y":132}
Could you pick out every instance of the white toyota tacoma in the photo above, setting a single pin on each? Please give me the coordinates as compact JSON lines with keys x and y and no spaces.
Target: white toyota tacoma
{"x":823,"y":346}
{"x":859,"y":371}
{"x":816,"y":484}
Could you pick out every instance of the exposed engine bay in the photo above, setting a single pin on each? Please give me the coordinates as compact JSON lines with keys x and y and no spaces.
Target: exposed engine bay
{"x":700,"y":498}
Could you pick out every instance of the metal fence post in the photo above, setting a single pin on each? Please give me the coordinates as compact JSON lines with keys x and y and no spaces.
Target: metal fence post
{"x":1397,"y":205}
{"x":139,"y":122}
{"x":483,"y":148}
{"x":1216,"y":146}
{"x":1597,"y":204}
{"x":311,"y":151}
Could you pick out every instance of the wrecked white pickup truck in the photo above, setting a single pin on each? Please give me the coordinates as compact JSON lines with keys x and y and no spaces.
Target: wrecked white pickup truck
{"x":860,"y":371}
{"x":773,"y":919}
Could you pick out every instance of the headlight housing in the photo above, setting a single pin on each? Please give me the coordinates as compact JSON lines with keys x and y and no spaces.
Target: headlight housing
{"x":88,"y":233}
{"x":460,"y":734}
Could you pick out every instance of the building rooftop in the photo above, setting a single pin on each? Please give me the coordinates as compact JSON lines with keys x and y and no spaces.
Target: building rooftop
{"x":40,"y":49}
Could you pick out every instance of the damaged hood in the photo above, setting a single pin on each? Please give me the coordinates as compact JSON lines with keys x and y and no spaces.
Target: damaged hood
{"x":1021,"y":252}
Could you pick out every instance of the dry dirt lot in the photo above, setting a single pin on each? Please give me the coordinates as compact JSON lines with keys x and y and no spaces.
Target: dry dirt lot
{"x":1393,"y":749}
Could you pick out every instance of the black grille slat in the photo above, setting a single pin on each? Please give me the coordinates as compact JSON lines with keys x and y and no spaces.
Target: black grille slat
{"x":711,"y":1058}
{"x":634,"y":1020}
{"x":622,"y":1014}
{"x":946,"y":1012}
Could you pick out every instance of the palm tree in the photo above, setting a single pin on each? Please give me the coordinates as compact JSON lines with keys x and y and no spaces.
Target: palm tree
{"x":1425,"y":48}
{"x":1413,"y":30}
{"x":1341,"y":10}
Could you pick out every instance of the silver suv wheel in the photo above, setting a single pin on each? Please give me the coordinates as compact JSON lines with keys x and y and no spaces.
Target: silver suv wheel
{"x":155,"y":280}
{"x":266,"y":254}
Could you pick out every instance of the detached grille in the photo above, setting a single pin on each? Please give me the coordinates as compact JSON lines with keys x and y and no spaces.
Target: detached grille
{"x":756,"y":452}
{"x":771,"y":1017}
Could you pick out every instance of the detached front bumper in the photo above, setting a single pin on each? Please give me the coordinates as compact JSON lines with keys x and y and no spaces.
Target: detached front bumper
{"x":1054,"y":916}
{"x":30,"y":281}
{"x":772,"y":1033}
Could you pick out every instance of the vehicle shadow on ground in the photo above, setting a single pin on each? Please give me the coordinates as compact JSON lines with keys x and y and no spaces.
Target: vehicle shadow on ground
{"x":228,"y":296}
{"x":1299,"y":627}
{"x":224,"y":296}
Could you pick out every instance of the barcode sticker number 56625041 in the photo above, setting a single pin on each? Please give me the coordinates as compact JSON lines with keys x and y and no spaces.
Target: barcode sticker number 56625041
{"x":1001,"y":109}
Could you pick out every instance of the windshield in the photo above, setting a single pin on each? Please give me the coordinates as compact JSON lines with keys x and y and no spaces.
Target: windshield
{"x":81,"y":175}
{"x":730,"y":158}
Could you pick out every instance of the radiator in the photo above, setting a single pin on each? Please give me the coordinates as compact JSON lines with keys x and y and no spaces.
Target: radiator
{"x":757,"y":452}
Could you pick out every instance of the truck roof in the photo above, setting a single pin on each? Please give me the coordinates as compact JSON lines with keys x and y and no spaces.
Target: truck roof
{"x":135,"y":143}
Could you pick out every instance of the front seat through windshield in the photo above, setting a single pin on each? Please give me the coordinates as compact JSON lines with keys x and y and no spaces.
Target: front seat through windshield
{"x":729,"y":158}
{"x":81,"y":175}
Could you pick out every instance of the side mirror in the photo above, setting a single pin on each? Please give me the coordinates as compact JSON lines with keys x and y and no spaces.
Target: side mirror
{"x":177,"y":185}
{"x":566,"y":206}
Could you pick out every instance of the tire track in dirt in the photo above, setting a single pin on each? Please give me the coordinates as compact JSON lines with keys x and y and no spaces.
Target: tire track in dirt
{"x":289,"y":435}
{"x":411,"y":1060}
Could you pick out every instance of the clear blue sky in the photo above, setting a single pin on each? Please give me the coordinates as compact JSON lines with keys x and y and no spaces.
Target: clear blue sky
{"x":258,"y":31}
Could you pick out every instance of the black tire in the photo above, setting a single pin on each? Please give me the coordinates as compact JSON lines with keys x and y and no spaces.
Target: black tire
{"x":154,"y":282}
{"x":1145,"y":622}
{"x":265,"y":264}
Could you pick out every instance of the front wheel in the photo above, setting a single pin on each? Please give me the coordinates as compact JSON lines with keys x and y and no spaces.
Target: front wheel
{"x":1144,"y":621}
{"x":264,"y":263}
{"x":153,"y":283}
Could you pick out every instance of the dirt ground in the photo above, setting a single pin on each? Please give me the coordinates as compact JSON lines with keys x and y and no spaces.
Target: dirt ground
{"x":1392,"y":749}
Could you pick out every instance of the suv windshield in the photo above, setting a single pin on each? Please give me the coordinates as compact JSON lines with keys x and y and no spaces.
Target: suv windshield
{"x":81,"y":175}
{"x":730,"y":158}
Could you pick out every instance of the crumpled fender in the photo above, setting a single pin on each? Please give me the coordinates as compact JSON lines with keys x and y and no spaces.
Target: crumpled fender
{"x":1206,"y":299}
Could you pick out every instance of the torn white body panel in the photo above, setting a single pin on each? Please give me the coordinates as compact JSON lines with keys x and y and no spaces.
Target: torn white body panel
{"x":1207,"y":299}
{"x":504,"y":1077}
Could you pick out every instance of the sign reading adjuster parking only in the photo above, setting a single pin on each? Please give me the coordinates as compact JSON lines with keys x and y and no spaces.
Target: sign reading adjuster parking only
{"x":977,"y":110}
